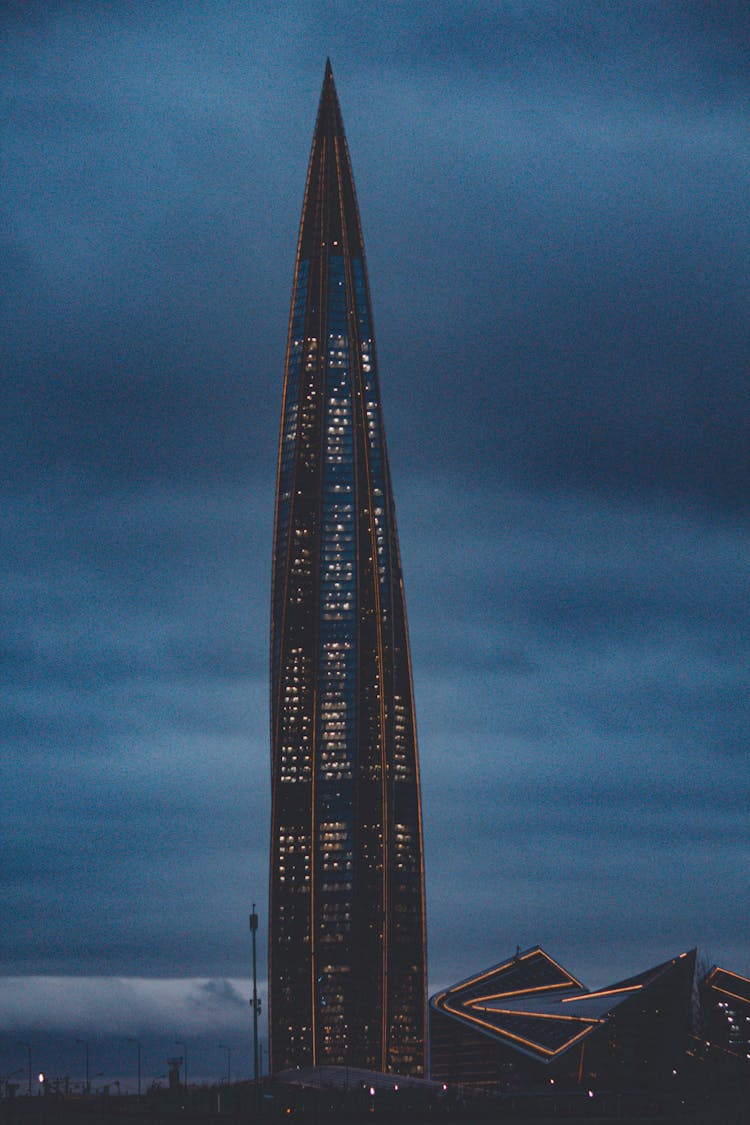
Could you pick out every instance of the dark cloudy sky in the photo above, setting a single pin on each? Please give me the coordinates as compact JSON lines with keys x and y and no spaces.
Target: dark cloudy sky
{"x":556,"y":207}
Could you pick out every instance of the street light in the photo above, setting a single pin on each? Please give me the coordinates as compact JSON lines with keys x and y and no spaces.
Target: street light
{"x":132,"y":1039}
{"x":28,"y":1048}
{"x":228,"y":1050}
{"x":255,"y":1002}
{"x":179,"y":1043}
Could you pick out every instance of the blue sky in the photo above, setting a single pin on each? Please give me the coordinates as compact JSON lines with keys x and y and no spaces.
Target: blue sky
{"x":555,"y":207}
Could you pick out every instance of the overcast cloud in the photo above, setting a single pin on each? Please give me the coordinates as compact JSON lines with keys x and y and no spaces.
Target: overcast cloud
{"x":555,"y":208}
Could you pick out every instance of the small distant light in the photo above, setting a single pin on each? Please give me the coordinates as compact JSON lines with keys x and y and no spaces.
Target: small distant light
{"x":372,"y":1091}
{"x":396,"y":1088}
{"x":41,"y":1077}
{"x":591,"y":1093}
{"x":444,"y":1086}
{"x":551,"y":1081}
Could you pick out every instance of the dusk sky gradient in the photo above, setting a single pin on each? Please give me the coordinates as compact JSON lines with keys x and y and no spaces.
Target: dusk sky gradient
{"x":556,"y":209}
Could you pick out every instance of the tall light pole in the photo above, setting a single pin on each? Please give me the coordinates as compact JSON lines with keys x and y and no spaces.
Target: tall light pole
{"x":228,"y":1050}
{"x":255,"y":1002}
{"x":132,"y":1039}
{"x":28,"y":1048}
{"x":179,"y":1043}
{"x":84,"y":1043}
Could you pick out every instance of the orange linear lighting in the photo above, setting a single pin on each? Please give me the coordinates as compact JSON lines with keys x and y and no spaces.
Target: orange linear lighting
{"x":562,"y":970}
{"x":545,"y":1015}
{"x":519,"y":1038}
{"x":734,"y":995}
{"x":603,"y":992}
{"x":514,"y":961}
{"x":729,"y":973}
{"x":524,"y":991}
{"x":489,"y":973}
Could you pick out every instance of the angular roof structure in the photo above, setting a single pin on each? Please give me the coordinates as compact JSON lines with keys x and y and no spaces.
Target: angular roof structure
{"x":532,"y":1004}
{"x":729,"y":984}
{"x":725,"y":1003}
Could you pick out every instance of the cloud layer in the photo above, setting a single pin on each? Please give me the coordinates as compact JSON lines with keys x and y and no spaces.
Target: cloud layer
{"x":555,"y":207}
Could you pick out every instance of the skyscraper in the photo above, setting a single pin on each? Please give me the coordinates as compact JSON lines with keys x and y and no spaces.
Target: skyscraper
{"x":347,"y":933}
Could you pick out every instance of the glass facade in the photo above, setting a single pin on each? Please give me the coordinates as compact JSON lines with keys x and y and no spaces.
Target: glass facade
{"x":346,"y":936}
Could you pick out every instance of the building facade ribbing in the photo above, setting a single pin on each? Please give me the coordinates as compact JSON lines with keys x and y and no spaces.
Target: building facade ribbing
{"x":347,"y":964}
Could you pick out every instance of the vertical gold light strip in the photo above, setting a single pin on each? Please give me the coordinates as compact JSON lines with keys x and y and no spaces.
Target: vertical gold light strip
{"x":275,"y":704}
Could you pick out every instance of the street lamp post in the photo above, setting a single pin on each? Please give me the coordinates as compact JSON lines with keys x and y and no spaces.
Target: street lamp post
{"x":132,"y":1039}
{"x":28,"y":1048}
{"x":84,"y":1043}
{"x":179,"y":1043}
{"x":255,"y":1002}
{"x":223,"y":1047}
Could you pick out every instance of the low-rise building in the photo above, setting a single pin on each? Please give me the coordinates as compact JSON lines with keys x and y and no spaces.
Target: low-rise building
{"x":527,"y":1023}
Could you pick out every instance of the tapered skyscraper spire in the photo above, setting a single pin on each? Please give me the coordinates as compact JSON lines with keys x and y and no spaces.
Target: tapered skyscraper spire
{"x":347,"y":940}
